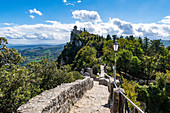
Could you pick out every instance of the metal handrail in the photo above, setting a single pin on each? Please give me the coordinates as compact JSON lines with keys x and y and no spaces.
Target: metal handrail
{"x":137,"y":108}
{"x":132,"y":103}
{"x":115,"y":84}
{"x":107,"y":76}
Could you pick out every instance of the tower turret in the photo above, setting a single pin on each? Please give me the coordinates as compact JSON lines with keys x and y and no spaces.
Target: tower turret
{"x":74,"y":32}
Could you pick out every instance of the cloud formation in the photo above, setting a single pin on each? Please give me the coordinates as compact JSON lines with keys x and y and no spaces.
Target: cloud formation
{"x":64,"y":1}
{"x":78,"y":1}
{"x":71,"y":2}
{"x":166,"y":20}
{"x":32,"y":16}
{"x":35,"y":11}
{"x":54,"y":32}
{"x":8,"y":24}
{"x":85,"y":15}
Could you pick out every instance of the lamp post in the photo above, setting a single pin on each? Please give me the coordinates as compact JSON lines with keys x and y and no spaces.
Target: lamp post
{"x":115,"y":48}
{"x":105,"y":65}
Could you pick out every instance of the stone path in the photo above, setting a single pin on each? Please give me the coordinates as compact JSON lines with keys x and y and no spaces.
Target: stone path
{"x":93,"y":101}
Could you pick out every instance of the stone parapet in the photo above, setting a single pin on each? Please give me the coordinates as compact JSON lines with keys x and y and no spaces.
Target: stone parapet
{"x":59,"y":99}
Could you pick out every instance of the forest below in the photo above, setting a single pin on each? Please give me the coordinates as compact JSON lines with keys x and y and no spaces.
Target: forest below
{"x":142,"y":59}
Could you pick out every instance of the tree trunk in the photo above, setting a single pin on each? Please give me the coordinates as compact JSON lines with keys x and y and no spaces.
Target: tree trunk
{"x":147,"y":79}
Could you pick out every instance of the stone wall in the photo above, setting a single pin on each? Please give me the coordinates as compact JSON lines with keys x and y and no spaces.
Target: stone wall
{"x":59,"y":99}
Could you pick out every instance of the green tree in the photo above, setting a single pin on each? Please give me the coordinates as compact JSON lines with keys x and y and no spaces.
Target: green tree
{"x":149,"y":69}
{"x":168,"y":47}
{"x":146,"y":44}
{"x":134,"y":46}
{"x":122,"y":43}
{"x":131,"y":37}
{"x":124,"y":60}
{"x":86,"y":57}
{"x":156,"y":96}
{"x":163,"y":61}
{"x":108,"y":52}
{"x":108,"y":37}
{"x":68,"y":54}
{"x":156,"y":47}
{"x":141,"y":42}
{"x":135,"y":68}
{"x":168,"y":61}
{"x":8,"y":56}
{"x":114,"y":37}
{"x":15,"y":88}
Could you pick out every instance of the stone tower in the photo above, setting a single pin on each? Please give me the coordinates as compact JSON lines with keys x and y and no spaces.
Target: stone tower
{"x":74,"y":32}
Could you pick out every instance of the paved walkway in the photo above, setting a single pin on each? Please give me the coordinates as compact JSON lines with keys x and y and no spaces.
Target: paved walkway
{"x":93,"y":101}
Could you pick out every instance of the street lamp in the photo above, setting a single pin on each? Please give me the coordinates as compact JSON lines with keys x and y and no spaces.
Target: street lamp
{"x":115,"y":48}
{"x":105,"y":65}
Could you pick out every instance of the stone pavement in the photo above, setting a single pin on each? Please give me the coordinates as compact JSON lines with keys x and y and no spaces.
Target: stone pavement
{"x":93,"y":101}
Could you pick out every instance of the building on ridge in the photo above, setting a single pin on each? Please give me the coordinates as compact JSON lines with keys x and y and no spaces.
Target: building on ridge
{"x":74,"y":33}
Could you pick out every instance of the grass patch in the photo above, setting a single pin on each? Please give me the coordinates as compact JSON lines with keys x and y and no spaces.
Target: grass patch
{"x":46,"y":51}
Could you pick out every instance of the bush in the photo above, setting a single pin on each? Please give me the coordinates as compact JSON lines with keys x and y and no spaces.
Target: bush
{"x":157,"y":93}
{"x":96,"y":69}
{"x":130,"y":91}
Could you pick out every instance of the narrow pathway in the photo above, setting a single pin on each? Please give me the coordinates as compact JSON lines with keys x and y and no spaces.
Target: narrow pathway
{"x":93,"y":101}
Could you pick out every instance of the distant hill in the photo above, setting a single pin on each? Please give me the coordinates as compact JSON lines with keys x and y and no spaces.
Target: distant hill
{"x":22,"y":47}
{"x":166,"y":42}
{"x":34,"y":53}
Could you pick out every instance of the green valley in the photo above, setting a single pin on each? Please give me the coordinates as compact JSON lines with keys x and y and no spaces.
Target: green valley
{"x":37,"y":53}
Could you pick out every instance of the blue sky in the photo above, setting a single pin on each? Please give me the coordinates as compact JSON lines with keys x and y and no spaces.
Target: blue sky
{"x":50,"y":21}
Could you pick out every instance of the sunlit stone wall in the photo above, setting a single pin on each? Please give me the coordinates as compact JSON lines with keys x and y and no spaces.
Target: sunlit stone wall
{"x":59,"y":99}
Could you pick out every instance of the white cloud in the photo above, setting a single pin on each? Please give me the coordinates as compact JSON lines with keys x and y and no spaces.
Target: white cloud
{"x":58,"y":33}
{"x":35,"y":11}
{"x":85,"y":15}
{"x":126,"y":27}
{"x":53,"y":22}
{"x":78,"y":1}
{"x":32,"y":16}
{"x":7,"y":24}
{"x":166,"y":20}
{"x":70,"y":4}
